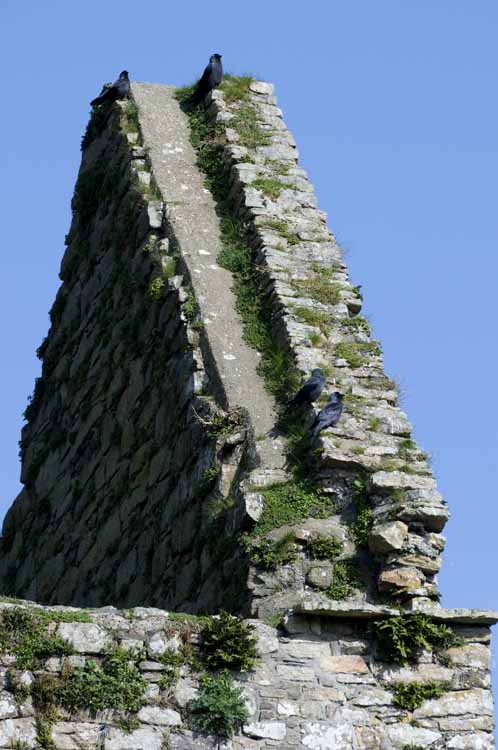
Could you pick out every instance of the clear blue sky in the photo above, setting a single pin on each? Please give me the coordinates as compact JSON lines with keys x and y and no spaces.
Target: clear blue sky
{"x":395,"y":110}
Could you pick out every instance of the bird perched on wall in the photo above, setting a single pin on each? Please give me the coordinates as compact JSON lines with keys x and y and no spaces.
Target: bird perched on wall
{"x":329,"y":415}
{"x":210,"y":79}
{"x":119,"y":90}
{"x":311,"y":390}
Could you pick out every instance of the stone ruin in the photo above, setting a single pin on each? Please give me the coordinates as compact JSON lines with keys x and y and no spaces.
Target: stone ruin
{"x":163,"y":473}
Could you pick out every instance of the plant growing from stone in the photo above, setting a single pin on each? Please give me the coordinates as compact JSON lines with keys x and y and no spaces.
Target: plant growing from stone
{"x":228,"y":643}
{"x":24,"y":634}
{"x":117,"y":684}
{"x":269,"y":555}
{"x":220,"y":708}
{"x":323,"y":547}
{"x":411,"y":695}
{"x":400,"y":639}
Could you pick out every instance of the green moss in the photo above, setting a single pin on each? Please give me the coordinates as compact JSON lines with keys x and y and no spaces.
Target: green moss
{"x":129,"y":118}
{"x":172,"y":660}
{"x":228,"y":643}
{"x":190,"y":308}
{"x":236,"y":88}
{"x":320,"y":289}
{"x":14,"y":685}
{"x":406,"y":448}
{"x":346,"y":578}
{"x":269,"y":186}
{"x":314,"y":318}
{"x":220,"y":708}
{"x":375,"y":423}
{"x":411,"y":695}
{"x":51,"y":615}
{"x":316,"y":340}
{"x":401,"y":638}
{"x":350,"y":352}
{"x":281,"y":228}
{"x":246,"y":123}
{"x":289,"y":502}
{"x":355,"y":353}
{"x":355,"y":323}
{"x":269,"y":555}
{"x":156,"y":288}
{"x":274,"y":620}
{"x":44,"y":739}
{"x":276,"y":367}
{"x":360,"y":526}
{"x":323,"y":547}
{"x":24,"y":634}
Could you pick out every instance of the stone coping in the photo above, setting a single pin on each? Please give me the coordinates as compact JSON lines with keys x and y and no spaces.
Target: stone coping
{"x":320,"y":605}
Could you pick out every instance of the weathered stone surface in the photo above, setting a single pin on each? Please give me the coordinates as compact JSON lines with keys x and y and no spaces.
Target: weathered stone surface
{"x":163,"y":716}
{"x":69,"y":735}
{"x":147,"y":738}
{"x":405,"y":735}
{"x":474,"y":655}
{"x":272,"y":730}
{"x":408,"y":579}
{"x":84,"y":637}
{"x":354,"y":664}
{"x":473,"y":741}
{"x":318,"y":736}
{"x":457,"y":703}
{"x":157,"y":643}
{"x":320,"y":576}
{"x":321,"y":605}
{"x":387,"y":537}
{"x":8,"y":706}
{"x":22,"y":731}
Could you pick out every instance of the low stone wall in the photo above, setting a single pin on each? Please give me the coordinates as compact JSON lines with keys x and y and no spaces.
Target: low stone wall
{"x":319,"y":683}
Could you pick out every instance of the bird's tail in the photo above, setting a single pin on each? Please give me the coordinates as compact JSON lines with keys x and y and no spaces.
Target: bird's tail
{"x":97,"y":100}
{"x":196,"y":97}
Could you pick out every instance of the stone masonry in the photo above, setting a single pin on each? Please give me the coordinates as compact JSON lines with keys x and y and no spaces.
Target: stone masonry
{"x":153,"y":450}
{"x":317,"y":685}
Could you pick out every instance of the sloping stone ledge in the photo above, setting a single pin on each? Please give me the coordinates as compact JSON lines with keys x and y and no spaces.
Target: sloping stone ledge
{"x":321,"y":605}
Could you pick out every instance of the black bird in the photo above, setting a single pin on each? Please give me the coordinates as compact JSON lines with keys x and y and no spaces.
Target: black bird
{"x":119,"y":90}
{"x":210,"y":79}
{"x":329,"y":415}
{"x":311,"y":390}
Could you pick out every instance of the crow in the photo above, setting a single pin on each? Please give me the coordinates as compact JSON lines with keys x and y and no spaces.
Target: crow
{"x":210,"y":79}
{"x":311,"y":390}
{"x":329,"y":415}
{"x":119,"y":90}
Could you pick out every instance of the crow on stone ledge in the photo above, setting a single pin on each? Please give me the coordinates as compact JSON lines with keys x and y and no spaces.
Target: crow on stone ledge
{"x":119,"y":90}
{"x":329,"y":415}
{"x":210,"y":79}
{"x":311,"y":390}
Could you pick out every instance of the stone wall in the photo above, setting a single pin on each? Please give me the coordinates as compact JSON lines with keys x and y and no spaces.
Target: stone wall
{"x":319,"y":683}
{"x":157,"y":468}
{"x":120,"y":441}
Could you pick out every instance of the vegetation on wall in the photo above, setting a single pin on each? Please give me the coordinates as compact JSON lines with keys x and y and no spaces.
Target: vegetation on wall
{"x":228,"y":643}
{"x":220,"y":707}
{"x":400,"y":639}
{"x":411,"y":695}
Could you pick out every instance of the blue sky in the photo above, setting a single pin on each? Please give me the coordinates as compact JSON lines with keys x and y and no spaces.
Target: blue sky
{"x":395,"y":112}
